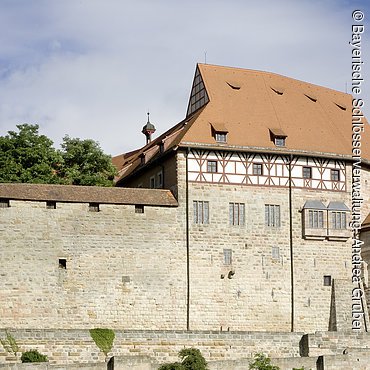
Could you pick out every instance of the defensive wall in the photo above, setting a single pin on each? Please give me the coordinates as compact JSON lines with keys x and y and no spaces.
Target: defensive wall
{"x":135,"y":349}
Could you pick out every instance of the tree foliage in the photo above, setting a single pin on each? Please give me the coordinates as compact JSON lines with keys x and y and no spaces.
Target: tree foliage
{"x":84,"y":163}
{"x":191,"y":359}
{"x":262,"y":362}
{"x":33,"y":356}
{"x":27,"y":156}
{"x":103,"y":338}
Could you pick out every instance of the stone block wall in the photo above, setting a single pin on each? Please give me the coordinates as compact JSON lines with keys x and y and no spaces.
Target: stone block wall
{"x":72,"y":268}
{"x":76,"y":346}
{"x":259,"y":294}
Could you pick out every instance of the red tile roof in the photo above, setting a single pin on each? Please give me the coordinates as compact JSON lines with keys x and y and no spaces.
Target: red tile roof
{"x":249,"y":104}
{"x":87,"y":194}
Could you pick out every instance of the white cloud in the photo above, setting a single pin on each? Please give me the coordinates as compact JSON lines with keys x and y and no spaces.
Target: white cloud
{"x":91,"y":68}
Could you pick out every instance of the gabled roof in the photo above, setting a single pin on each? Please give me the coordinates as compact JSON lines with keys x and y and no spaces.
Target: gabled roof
{"x":87,"y":194}
{"x":249,"y":105}
{"x":315,"y":119}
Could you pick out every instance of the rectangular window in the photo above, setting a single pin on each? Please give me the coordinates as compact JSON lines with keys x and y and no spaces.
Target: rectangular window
{"x":272,"y":215}
{"x":275,"y":253}
{"x":338,"y":220}
{"x":280,"y":141}
{"x":327,"y":280}
{"x":62,"y":263}
{"x":220,"y":137}
{"x":236,"y":214}
{"x":152,"y":182}
{"x":4,"y":203}
{"x":335,"y":175}
{"x":51,"y":205}
{"x":159,"y":180}
{"x":257,"y":169}
{"x":201,"y":212}
{"x":94,"y":207}
{"x":228,"y":254}
{"x":211,"y":166}
{"x":315,"y":219}
{"x":307,"y":172}
{"x":139,"y":208}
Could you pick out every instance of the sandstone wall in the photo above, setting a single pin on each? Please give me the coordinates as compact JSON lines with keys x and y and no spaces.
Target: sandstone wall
{"x":123,"y":269}
{"x":258,"y":296}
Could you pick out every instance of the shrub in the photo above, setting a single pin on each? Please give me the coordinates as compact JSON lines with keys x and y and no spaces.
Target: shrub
{"x":33,"y":356}
{"x":262,"y":362}
{"x":103,"y":338}
{"x":192,"y":359}
{"x":9,"y":343}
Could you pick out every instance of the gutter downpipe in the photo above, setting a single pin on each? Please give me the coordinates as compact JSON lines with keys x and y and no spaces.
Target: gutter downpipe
{"x":187,"y":242}
{"x":291,"y":244}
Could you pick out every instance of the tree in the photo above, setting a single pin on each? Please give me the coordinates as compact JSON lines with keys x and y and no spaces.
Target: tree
{"x":84,"y":163}
{"x":262,"y":362}
{"x":26,"y":156}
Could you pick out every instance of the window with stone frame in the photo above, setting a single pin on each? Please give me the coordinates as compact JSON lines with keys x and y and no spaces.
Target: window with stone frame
{"x":338,"y":220}
{"x":315,"y":219}
{"x":272,"y":215}
{"x":228,"y":253}
{"x":201,"y":212}
{"x":237,"y":214}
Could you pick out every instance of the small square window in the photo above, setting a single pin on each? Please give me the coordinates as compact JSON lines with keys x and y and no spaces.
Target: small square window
{"x":62,"y":263}
{"x":280,"y":141}
{"x":212,"y":166}
{"x":307,"y":172}
{"x":4,"y":203}
{"x":139,"y":208}
{"x":51,"y":205}
{"x":327,"y":280}
{"x":335,"y":175}
{"x":275,"y":253}
{"x":257,"y":169}
{"x":227,"y":256}
{"x":220,"y":137}
{"x":94,"y":207}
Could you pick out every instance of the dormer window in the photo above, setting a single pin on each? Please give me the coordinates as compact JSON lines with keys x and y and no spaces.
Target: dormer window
{"x":220,"y":137}
{"x":280,"y":141}
{"x":278,"y":136}
{"x":219,"y":132}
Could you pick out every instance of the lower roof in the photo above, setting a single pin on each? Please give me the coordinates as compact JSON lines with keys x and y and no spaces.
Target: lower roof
{"x":87,"y":194}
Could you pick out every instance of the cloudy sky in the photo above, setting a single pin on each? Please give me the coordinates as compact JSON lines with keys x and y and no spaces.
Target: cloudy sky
{"x":92,"y":68}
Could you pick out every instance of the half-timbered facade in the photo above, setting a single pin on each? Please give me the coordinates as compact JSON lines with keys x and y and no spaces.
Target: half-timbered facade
{"x":261,"y":167}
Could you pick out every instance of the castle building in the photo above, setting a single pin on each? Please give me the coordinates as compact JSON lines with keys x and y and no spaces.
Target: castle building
{"x":235,"y":219}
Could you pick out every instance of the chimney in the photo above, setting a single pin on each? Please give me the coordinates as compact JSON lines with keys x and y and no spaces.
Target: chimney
{"x":148,"y":130}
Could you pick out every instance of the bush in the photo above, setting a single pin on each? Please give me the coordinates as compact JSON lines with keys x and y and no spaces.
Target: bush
{"x":192,"y":359}
{"x":262,"y":362}
{"x":103,"y":338}
{"x":33,"y":356}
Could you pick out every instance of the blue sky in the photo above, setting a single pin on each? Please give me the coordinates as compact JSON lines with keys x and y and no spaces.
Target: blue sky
{"x":92,"y":68}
